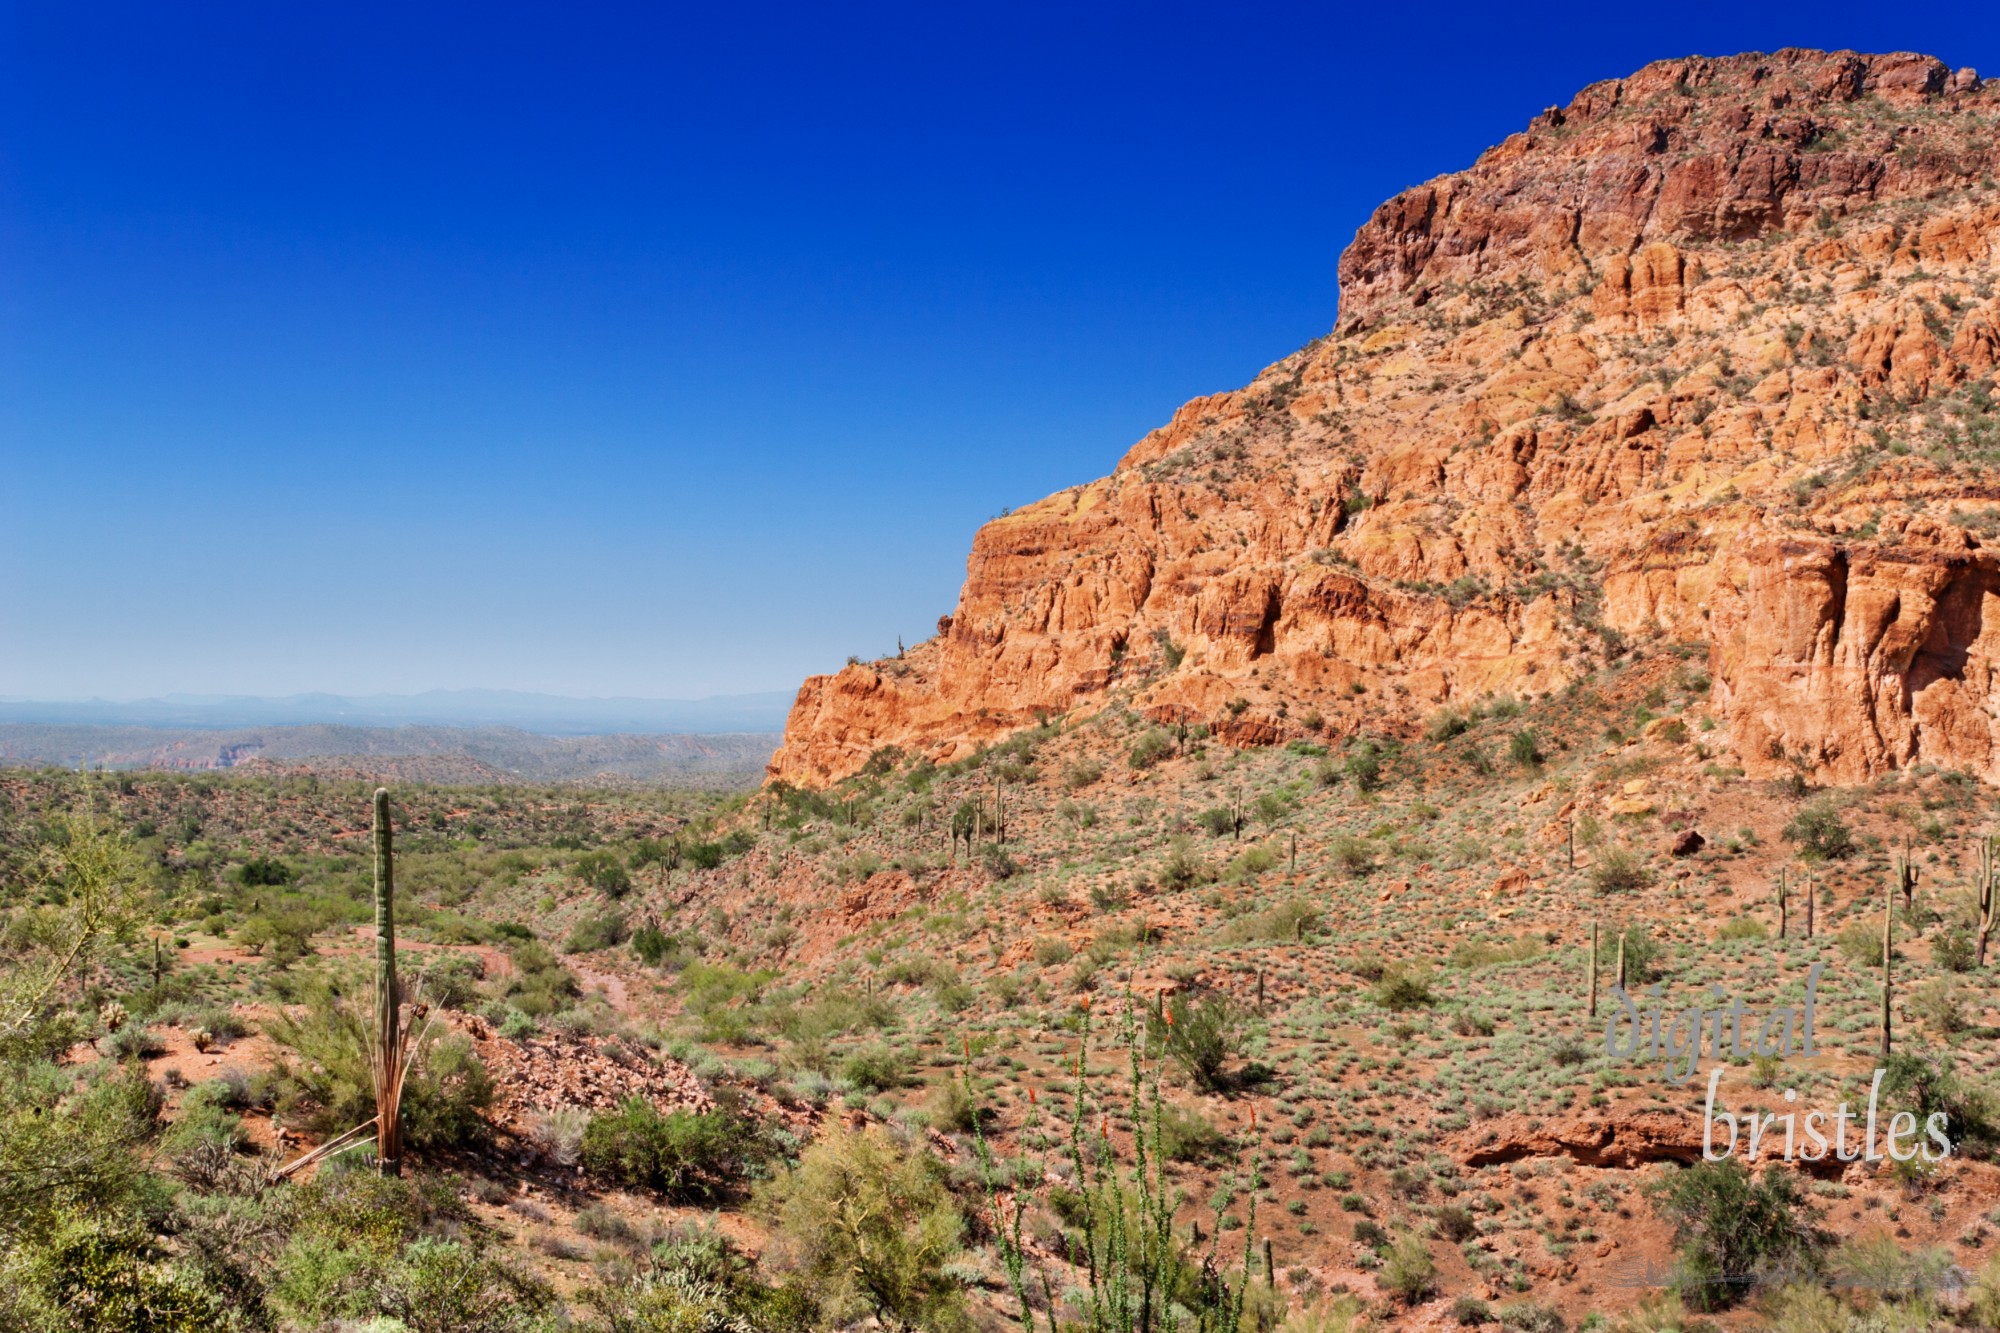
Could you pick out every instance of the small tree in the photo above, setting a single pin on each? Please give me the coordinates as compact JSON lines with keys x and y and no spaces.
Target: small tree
{"x":872,"y":1225}
{"x":1731,"y":1227}
{"x":1819,"y":832}
{"x":1198,"y":1035}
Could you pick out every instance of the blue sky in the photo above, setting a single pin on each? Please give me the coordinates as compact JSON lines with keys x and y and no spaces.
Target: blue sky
{"x":643,"y":350}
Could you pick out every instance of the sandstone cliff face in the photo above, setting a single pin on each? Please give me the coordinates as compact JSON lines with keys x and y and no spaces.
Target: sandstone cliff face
{"x":1706,"y":355}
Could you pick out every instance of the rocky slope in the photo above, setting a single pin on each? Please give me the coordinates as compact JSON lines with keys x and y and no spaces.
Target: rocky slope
{"x":1707,"y":354}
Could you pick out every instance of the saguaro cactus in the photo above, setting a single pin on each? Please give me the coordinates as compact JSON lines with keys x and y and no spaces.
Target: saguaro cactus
{"x":1593,"y":969}
{"x":1888,"y":942}
{"x":1812,"y":905}
{"x":388,"y":1000}
{"x":1986,"y":896}
{"x":1906,"y":877}
{"x":1784,"y":895}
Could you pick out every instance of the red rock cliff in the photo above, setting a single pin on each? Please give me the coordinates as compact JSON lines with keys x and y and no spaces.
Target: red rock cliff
{"x":1706,"y":354}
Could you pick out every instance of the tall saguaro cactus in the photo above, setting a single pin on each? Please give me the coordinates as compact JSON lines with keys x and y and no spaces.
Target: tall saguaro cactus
{"x":1888,"y":943}
{"x":1986,"y":896}
{"x":1593,"y":969}
{"x":388,"y":1040}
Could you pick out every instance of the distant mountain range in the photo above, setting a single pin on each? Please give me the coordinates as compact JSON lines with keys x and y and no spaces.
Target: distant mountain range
{"x":546,"y":714}
{"x":429,"y":754}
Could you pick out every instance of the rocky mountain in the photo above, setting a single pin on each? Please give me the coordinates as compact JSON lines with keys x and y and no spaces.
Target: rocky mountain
{"x":1706,"y":355}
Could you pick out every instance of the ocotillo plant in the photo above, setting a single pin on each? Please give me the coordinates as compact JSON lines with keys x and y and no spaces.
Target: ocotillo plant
{"x":1135,"y":1270}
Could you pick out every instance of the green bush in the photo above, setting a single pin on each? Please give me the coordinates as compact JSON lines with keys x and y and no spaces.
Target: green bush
{"x":873,"y":1227}
{"x":876,"y":1068}
{"x":1954,"y":950}
{"x":1619,"y":869}
{"x":1819,"y":832}
{"x":1643,"y":955}
{"x":1363,"y":765}
{"x":599,"y":931}
{"x":1198,"y":1035}
{"x":450,"y":1286}
{"x":604,"y":872}
{"x":1403,"y":990}
{"x":685,"y":1155}
{"x":1408,"y":1270}
{"x":1730,"y":1228}
{"x":322,"y":1078}
{"x":263,"y":871}
{"x":1150,"y":749}
{"x":109,"y":1276}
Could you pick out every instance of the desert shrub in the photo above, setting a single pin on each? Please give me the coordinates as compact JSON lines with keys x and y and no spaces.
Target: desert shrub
{"x":873,"y":1227}
{"x":1150,"y":749}
{"x":1619,"y":869}
{"x":1644,"y":955}
{"x":451,"y":1286}
{"x":1527,"y":1317}
{"x":876,"y":1068}
{"x":1352,"y":854}
{"x":1444,"y":724}
{"x":685,"y":1155}
{"x":1363,"y":765}
{"x":449,"y":980}
{"x":1455,"y":1223}
{"x":322,"y":1079}
{"x":951,"y":1107}
{"x":1081,"y":774}
{"x":558,"y":1134}
{"x":1953,"y":950}
{"x":1408,"y":1270}
{"x":1525,"y":749}
{"x":1731,"y":1227}
{"x":1742,"y":928}
{"x":66,"y":1151}
{"x":1861,"y":944}
{"x":1910,"y":1082}
{"x":600,"y":930}
{"x":651,"y":945}
{"x":1183,"y":868}
{"x":539,"y":984}
{"x":109,"y":1275}
{"x":1819,"y":832}
{"x":264,"y":872}
{"x":1485,"y":953}
{"x":1189,"y":1136}
{"x":1292,"y":919}
{"x":1218,"y":820}
{"x":1198,"y":1035}
{"x":1403,"y":990}
{"x":604,"y":872}
{"x":1938,"y":1007}
{"x":997,"y":863}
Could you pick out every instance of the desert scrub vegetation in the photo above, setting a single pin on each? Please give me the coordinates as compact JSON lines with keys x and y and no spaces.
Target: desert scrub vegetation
{"x":686,"y":1156}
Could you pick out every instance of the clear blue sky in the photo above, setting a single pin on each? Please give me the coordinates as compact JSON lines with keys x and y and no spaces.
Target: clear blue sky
{"x":633,"y":349}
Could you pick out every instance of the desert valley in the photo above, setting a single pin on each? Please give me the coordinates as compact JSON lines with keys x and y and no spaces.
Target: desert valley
{"x":1426,"y":843}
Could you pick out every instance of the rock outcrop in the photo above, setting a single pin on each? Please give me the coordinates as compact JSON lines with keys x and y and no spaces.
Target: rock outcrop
{"x":1706,"y":355}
